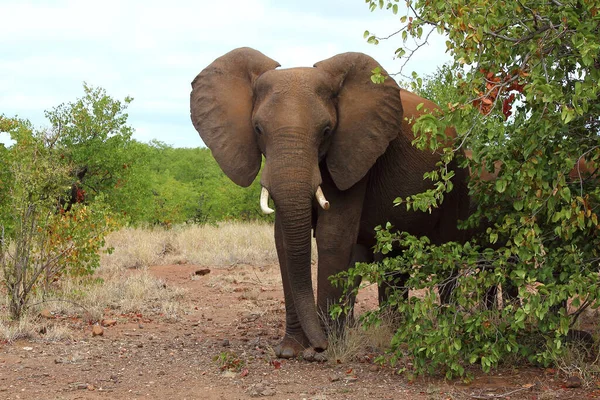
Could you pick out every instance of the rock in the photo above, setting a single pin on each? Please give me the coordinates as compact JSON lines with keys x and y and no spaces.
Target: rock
{"x":334,"y":378}
{"x":374,"y":368}
{"x":229,"y":374}
{"x":225,"y":343}
{"x":573,"y":382}
{"x":79,"y":385}
{"x":108,"y":322}
{"x":27,"y":348}
{"x":45,"y":313}
{"x":97,"y":330}
{"x":260,"y":390}
{"x":202,"y":272}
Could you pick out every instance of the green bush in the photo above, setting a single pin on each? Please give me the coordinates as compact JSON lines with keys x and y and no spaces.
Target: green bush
{"x":523,"y":93}
{"x":39,"y":240}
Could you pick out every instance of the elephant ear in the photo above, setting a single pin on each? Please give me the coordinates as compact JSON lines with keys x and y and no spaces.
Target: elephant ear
{"x":221,"y":111}
{"x":369,"y":117}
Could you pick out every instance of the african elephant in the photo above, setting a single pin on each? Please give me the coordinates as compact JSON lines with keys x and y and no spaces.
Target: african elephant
{"x":330,"y":136}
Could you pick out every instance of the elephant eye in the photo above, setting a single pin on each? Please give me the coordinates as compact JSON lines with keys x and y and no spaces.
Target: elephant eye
{"x":326,"y":131}
{"x":257,"y":129}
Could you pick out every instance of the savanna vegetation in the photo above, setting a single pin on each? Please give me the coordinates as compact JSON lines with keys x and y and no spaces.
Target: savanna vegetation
{"x":522,"y":93}
{"x":65,"y":186}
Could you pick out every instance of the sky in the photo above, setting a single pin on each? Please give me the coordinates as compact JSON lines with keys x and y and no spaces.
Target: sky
{"x":152,"y":49}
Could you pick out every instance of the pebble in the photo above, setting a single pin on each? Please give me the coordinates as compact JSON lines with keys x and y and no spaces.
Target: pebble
{"x":573,"y":382}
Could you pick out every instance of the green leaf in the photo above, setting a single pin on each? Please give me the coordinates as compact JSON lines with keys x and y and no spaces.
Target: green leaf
{"x":501,"y":185}
{"x":518,"y":205}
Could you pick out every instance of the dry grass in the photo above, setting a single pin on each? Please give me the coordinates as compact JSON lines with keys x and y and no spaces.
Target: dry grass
{"x":126,"y":291}
{"x":354,"y":341}
{"x":25,"y":328}
{"x":226,"y":244}
{"x":579,"y":359}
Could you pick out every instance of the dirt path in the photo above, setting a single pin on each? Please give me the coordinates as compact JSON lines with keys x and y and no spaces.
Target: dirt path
{"x":234,"y":316}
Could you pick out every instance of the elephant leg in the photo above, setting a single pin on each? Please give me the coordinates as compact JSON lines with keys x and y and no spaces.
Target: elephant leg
{"x":360,"y":253}
{"x":294,"y":341}
{"x":510,"y":293}
{"x":336,"y":235}
{"x":446,"y":288}
{"x":490,"y":298}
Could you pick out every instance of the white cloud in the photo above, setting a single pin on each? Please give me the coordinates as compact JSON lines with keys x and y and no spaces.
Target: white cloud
{"x":151,"y":50}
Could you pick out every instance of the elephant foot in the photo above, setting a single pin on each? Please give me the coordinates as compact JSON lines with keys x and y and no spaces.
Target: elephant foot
{"x":292,"y":345}
{"x":310,"y":354}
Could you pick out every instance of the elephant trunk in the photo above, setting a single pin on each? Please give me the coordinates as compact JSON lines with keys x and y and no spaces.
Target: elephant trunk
{"x":294,"y":210}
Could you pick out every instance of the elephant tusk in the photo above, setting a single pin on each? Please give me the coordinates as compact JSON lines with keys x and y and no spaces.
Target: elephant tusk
{"x":321,"y":199}
{"x":264,"y":202}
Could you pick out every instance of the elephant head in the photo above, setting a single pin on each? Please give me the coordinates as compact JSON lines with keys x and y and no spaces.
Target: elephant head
{"x":331,"y":115}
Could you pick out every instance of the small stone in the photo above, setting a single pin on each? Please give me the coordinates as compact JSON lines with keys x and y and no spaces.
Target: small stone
{"x":334,"y":378}
{"x":27,"y":348}
{"x":202,"y":272}
{"x":91,"y":387}
{"x":229,"y":374}
{"x":45,"y":313}
{"x":573,"y":382}
{"x":268,"y":392}
{"x":374,"y":368}
{"x":108,"y":322}
{"x":225,"y":343}
{"x":97,"y":330}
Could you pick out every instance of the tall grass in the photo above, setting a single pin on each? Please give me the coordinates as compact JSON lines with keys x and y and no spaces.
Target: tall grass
{"x":227,"y":243}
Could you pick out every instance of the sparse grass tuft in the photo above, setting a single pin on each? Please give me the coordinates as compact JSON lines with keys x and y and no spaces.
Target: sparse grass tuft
{"x":582,"y":360}
{"x":353,"y":341}
{"x":25,"y":328}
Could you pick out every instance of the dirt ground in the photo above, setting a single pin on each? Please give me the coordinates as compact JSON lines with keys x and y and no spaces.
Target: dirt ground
{"x":221,"y":349}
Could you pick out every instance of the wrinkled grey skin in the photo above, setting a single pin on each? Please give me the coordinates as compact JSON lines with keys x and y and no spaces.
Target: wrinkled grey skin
{"x":327,"y":126}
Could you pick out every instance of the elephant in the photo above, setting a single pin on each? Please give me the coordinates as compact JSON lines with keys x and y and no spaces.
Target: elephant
{"x":337,"y":152}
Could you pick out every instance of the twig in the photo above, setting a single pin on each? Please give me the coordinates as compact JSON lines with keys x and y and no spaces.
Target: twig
{"x":500,"y":396}
{"x":60,"y":300}
{"x":577,"y":313}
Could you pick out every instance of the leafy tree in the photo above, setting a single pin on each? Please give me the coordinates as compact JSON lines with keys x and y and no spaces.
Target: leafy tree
{"x":39,"y":241}
{"x":525,"y":94}
{"x":189,"y":186}
{"x":92,"y":134}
